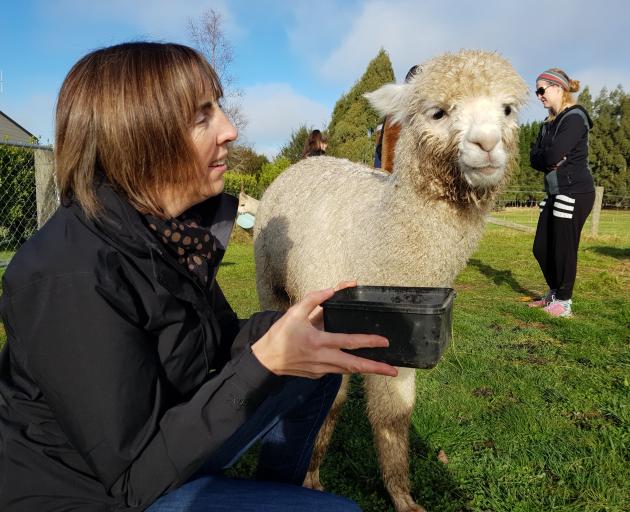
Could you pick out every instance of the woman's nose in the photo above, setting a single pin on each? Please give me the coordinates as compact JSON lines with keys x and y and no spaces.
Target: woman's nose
{"x":227,"y":131}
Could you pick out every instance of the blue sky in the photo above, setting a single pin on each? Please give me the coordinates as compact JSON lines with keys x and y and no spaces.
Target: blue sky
{"x":293,"y":59}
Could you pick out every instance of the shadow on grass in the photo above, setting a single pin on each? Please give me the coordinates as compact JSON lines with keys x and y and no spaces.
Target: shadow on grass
{"x":500,"y":277}
{"x":351,"y":467}
{"x":614,"y":252}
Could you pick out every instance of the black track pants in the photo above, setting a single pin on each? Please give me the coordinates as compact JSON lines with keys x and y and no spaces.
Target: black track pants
{"x":557,"y":239}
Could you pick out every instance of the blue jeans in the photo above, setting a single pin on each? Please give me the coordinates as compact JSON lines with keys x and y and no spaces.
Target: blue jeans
{"x":286,"y":425}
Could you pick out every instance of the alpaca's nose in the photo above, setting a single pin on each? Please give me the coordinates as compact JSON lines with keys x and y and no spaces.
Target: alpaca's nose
{"x":485,"y":138}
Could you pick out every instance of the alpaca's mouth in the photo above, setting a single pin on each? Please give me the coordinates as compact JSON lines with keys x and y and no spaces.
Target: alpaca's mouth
{"x":486,"y":170}
{"x":483,"y":176}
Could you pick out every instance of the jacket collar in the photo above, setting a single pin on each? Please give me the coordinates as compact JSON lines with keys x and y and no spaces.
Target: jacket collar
{"x":123,"y":225}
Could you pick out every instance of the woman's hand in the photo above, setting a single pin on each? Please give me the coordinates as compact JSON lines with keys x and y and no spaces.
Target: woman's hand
{"x":317,"y":315}
{"x":294,"y":346}
{"x":556,"y":166}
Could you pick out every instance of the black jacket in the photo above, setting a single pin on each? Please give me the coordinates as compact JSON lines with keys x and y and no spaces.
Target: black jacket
{"x":565,"y":136}
{"x":120,"y":374}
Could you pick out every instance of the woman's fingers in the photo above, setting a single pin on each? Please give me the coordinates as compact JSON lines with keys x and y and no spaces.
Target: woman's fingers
{"x":294,"y":347}
{"x":349,"y":363}
{"x":316,"y":316}
{"x":312,"y":299}
{"x":351,"y":283}
{"x":352,"y":341}
{"x":329,"y":353}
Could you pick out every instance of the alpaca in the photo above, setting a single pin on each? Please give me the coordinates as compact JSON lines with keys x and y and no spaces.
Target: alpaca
{"x":247,"y":204}
{"x":327,"y":219}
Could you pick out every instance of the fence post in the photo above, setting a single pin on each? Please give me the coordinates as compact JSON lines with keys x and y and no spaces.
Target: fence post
{"x":597,"y":208}
{"x":45,"y":188}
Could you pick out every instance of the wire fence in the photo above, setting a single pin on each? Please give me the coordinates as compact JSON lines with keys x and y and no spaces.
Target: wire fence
{"x":518,"y":209}
{"x":530,"y":198}
{"x":27,"y":194}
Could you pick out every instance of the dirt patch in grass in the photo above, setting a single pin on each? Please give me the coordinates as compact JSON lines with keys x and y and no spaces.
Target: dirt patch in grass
{"x":530,"y":348}
{"x":483,"y":391}
{"x":485,"y":444}
{"x":538,"y":361}
{"x":521,"y":325}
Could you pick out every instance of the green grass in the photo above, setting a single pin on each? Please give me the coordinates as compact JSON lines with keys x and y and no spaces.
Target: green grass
{"x":531,"y":411}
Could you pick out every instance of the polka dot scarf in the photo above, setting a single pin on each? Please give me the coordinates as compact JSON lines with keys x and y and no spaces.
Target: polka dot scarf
{"x":192,"y":244}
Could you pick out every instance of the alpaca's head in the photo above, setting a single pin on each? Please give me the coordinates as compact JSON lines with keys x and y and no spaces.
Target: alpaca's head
{"x":247,"y":204}
{"x":459,"y":125}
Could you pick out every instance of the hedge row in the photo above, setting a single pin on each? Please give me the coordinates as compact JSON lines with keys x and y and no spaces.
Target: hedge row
{"x":255,"y":184}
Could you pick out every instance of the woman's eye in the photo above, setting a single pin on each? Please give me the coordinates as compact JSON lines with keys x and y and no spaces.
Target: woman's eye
{"x":508,"y":110}
{"x":201,"y":119}
{"x":438,"y":114}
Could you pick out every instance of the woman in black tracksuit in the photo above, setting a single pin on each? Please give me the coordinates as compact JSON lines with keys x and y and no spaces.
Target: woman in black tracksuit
{"x":561,"y":152}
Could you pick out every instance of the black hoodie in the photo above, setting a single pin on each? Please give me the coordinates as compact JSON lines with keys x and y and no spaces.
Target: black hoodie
{"x":561,"y":152}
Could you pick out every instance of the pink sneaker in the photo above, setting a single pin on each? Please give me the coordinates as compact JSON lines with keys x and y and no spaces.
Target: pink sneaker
{"x":559,"y":308}
{"x":543,"y":301}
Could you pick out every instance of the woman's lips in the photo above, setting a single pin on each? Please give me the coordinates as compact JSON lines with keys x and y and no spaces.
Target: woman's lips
{"x":218,"y":165}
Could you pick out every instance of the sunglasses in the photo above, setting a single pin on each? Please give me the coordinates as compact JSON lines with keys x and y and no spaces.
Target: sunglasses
{"x":541,"y":90}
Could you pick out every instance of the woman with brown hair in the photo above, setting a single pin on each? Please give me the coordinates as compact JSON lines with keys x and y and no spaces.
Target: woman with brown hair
{"x":561,"y":153}
{"x":127,"y":381}
{"x":315,"y":144}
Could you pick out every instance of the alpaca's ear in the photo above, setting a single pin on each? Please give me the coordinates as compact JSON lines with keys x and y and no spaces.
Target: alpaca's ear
{"x":391,"y":100}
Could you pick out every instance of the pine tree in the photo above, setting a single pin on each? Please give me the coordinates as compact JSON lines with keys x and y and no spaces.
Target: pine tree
{"x":609,"y":142}
{"x":526,"y":179}
{"x":351,"y":132}
{"x":295,"y":145}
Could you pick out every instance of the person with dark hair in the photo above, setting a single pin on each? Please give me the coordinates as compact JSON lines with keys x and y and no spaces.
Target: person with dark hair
{"x":561,"y":153}
{"x":315,"y":144}
{"x":127,"y":382}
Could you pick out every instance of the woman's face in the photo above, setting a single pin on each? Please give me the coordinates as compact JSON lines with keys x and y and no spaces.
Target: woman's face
{"x":552,"y":99}
{"x":211,"y":132}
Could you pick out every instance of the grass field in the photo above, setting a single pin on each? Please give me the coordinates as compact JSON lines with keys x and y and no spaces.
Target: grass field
{"x":531,"y":411}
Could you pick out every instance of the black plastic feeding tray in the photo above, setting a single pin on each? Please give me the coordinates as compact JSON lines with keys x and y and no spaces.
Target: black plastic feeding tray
{"x":416,"y":321}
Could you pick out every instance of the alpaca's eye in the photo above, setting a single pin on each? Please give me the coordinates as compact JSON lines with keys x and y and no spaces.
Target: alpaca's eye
{"x":507,"y":110}
{"x":438,"y":114}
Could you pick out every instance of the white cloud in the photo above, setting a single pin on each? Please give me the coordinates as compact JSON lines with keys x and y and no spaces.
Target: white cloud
{"x":273,"y":111}
{"x":568,"y":34}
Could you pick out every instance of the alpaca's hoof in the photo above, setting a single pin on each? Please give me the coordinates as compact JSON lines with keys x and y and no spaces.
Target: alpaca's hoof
{"x":406,"y":504}
{"x":312,"y":481}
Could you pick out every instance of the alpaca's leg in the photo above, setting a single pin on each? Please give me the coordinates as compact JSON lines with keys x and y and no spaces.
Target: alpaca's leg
{"x":323,"y":438}
{"x":390,"y":403}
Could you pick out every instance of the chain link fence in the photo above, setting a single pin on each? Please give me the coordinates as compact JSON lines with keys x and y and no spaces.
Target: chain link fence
{"x":27,"y":194}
